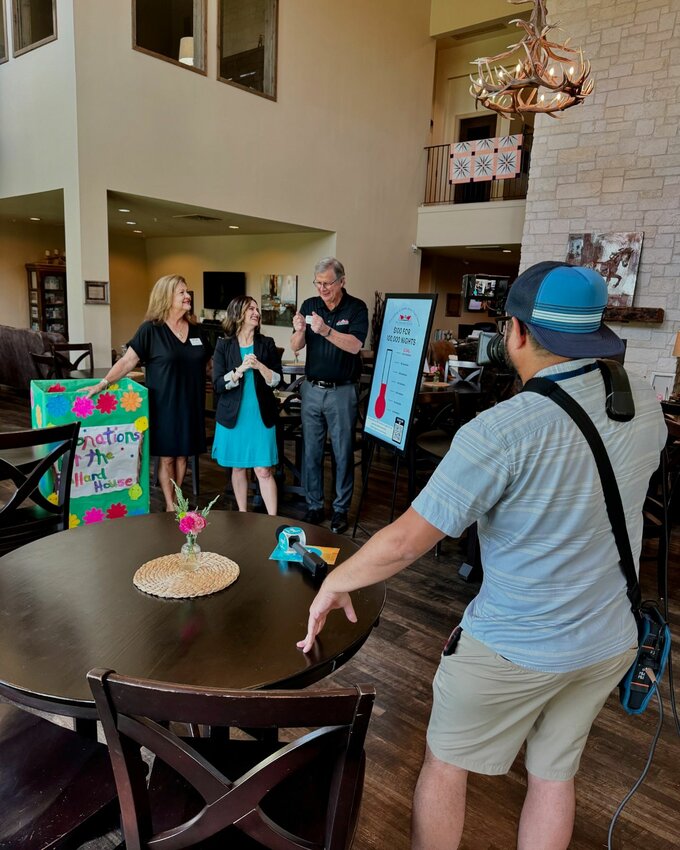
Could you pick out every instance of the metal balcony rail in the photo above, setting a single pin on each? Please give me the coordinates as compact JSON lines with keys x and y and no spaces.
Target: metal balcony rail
{"x":438,"y":190}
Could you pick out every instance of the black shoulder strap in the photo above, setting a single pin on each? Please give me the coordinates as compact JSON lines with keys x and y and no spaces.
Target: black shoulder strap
{"x":554,"y":391}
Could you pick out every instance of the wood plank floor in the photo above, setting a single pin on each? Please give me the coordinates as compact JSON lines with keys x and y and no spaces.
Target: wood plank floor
{"x":400,"y":658}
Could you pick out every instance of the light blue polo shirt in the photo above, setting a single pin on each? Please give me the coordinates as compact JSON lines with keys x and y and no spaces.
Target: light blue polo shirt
{"x":553,"y":596}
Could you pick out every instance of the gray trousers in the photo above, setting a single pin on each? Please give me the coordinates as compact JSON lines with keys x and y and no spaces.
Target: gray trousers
{"x":333,"y":411}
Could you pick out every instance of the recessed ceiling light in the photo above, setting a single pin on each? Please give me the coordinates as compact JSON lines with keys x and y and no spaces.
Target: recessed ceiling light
{"x":507,"y":251}
{"x":35,"y":218}
{"x":122,"y":209}
{"x":136,"y":231}
{"x":130,"y":222}
{"x":233,"y":227}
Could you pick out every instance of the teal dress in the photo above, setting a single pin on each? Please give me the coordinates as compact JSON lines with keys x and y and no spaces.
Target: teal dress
{"x":249,"y":443}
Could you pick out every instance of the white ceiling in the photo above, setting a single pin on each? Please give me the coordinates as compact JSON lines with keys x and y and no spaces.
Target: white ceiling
{"x":154,"y":217}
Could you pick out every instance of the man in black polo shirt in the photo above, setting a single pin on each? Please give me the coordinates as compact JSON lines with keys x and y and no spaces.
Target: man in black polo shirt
{"x":333,"y":326}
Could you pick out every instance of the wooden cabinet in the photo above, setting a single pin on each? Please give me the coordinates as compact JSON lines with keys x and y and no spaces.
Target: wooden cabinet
{"x":47,"y":308}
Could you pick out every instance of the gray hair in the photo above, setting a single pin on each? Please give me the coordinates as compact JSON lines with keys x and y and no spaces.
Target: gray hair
{"x":330,"y":263}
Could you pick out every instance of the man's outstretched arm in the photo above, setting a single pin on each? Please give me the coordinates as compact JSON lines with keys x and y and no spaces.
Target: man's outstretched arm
{"x":389,"y":551}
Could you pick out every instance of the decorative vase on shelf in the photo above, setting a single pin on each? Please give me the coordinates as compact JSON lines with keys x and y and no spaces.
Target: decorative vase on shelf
{"x":191,"y":553}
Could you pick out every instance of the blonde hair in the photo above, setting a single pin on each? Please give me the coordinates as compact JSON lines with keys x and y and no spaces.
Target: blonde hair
{"x":162,"y":295}
{"x":236,"y":315}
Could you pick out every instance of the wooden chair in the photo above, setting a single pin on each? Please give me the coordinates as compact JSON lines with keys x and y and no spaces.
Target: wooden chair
{"x":56,"y":787}
{"x":45,"y":366}
{"x":25,"y":457}
{"x":62,"y":354}
{"x":255,"y":793}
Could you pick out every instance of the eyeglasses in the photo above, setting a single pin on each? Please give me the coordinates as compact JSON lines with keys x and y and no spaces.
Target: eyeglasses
{"x":501,"y":324}
{"x":320,"y":285}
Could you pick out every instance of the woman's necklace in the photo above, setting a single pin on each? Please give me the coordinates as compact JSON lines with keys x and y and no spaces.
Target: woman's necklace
{"x":180,"y":332}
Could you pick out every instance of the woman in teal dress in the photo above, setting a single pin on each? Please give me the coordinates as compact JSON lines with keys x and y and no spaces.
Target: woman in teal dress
{"x":246,"y":369}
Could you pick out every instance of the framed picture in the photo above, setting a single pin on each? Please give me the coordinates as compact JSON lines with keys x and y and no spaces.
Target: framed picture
{"x":279,"y":299}
{"x":453,"y":304}
{"x":96,"y":292}
{"x":663,"y":384}
{"x":616,"y":256}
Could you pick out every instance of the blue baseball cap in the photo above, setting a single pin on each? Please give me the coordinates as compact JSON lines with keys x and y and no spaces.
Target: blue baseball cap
{"x":563,"y":307}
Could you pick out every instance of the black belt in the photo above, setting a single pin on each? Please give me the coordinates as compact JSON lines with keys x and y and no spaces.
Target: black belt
{"x":329,"y":385}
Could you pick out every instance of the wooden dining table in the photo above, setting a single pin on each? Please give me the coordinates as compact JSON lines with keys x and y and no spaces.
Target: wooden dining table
{"x":68,"y":604}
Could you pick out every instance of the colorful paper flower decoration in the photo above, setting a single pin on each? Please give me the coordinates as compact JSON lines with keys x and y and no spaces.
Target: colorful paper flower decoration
{"x":53,"y":498}
{"x":130,"y":401}
{"x":83,"y":407}
{"x":135,"y":492}
{"x":141,"y":424}
{"x":106,"y":403}
{"x":93,"y":515}
{"x":56,"y":388}
{"x":116,"y":511}
{"x":58,"y":405}
{"x":73,"y":521}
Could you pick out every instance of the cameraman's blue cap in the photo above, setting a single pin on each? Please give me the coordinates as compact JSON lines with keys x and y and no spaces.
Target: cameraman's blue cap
{"x":563,"y":306}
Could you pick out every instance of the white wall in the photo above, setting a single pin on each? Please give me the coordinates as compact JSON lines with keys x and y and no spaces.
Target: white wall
{"x":341,"y":149}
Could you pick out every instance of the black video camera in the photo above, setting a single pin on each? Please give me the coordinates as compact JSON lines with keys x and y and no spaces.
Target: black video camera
{"x":491,"y":351}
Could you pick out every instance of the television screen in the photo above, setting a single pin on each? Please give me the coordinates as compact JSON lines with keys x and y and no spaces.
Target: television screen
{"x":485,"y":287}
{"x":220,"y":287}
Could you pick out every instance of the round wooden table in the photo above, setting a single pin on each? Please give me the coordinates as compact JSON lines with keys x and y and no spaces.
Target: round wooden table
{"x":68,"y":604}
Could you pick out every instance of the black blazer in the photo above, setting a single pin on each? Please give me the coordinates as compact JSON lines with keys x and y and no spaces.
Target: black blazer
{"x":227,"y":356}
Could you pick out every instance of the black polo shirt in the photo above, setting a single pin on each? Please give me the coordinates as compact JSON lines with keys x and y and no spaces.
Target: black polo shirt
{"x":325,"y":361}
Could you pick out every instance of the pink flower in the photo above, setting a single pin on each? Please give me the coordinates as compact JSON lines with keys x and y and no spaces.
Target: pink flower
{"x":83,"y":407}
{"x":93,"y":515}
{"x":106,"y":403}
{"x":192,"y":523}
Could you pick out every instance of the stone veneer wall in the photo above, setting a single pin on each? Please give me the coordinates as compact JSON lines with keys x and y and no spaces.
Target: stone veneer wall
{"x":613,"y":163}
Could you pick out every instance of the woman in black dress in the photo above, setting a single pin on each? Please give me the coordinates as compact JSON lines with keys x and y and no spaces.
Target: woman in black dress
{"x":170,"y":345}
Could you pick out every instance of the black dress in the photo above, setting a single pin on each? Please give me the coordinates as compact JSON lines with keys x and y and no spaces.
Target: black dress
{"x":175,"y":379}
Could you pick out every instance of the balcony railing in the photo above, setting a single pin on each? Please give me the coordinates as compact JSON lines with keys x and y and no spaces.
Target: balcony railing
{"x":438,"y":190}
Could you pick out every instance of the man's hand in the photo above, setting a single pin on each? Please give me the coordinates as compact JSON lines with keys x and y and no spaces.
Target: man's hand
{"x":299,"y":322}
{"x":318,"y":325}
{"x":325,"y":602}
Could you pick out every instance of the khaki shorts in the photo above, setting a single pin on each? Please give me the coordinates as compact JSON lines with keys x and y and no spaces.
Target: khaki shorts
{"x":485,"y":707}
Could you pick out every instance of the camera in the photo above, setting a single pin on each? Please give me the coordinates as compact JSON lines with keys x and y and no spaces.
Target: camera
{"x":491,"y":351}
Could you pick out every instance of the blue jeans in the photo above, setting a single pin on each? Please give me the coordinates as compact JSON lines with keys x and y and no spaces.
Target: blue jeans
{"x":332,"y":411}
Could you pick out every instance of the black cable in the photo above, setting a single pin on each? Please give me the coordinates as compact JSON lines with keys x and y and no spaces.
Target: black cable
{"x":643,"y":775}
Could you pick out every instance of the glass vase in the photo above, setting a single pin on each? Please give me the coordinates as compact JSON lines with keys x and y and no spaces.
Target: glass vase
{"x":191,"y":553}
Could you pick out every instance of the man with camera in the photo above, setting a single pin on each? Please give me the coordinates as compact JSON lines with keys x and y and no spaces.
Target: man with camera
{"x":551,"y":631}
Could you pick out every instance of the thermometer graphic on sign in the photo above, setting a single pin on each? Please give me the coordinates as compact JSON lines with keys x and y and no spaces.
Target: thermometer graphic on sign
{"x":380,"y":404}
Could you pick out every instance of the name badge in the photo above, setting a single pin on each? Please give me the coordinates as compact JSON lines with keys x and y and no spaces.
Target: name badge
{"x":194,"y":340}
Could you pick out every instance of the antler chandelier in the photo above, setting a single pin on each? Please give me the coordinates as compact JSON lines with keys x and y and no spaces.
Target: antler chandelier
{"x":548,"y":77}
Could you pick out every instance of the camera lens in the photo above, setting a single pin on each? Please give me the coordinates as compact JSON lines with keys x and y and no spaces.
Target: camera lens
{"x":491,"y":351}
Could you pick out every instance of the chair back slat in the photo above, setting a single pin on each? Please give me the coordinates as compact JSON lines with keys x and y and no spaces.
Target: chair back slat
{"x":57,"y":443}
{"x":267,"y":791}
{"x":45,"y":366}
{"x":66,"y":363}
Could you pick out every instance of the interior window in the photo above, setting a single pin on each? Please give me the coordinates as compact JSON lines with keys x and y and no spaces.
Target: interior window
{"x":35,"y":23}
{"x":247,"y":51}
{"x":3,"y":38}
{"x":173,"y":30}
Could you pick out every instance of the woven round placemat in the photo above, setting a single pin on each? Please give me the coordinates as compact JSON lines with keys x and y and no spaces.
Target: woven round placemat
{"x":169,"y":577}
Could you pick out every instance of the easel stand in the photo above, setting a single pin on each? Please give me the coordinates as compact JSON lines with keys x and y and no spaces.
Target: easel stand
{"x":364,"y":483}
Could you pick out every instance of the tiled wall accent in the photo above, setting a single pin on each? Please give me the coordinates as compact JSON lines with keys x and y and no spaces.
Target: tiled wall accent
{"x":613,"y":164}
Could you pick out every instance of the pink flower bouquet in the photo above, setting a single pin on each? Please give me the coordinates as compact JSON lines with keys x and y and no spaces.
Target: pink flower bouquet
{"x":190,"y":523}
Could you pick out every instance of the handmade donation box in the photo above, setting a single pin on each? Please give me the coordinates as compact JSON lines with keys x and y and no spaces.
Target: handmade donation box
{"x":111,"y":466}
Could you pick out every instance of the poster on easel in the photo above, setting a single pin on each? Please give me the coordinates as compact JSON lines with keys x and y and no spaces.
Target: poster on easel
{"x":397,"y":373}
{"x":111,"y":464}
